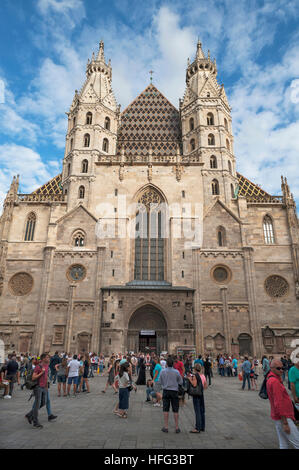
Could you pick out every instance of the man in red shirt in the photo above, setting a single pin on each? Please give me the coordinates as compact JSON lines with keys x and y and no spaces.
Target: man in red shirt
{"x":282,"y":411}
{"x":40,"y":391}
{"x":178,"y":364}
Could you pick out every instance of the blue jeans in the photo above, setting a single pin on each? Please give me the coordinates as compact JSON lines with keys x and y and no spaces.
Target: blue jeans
{"x":150,"y":392}
{"x":199,"y":408}
{"x":246,"y":376}
{"x":222,"y":371}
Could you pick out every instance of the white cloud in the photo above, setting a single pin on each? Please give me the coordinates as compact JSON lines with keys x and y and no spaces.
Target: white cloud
{"x":266,"y":123}
{"x":72,"y":11}
{"x":17,"y":159}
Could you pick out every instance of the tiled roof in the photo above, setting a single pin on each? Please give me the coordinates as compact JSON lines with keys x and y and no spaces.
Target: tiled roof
{"x":150,"y":120}
{"x":247,"y":188}
{"x":51,"y":187}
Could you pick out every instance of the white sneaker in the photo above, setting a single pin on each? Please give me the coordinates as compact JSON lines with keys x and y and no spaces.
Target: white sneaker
{"x":7,"y":396}
{"x":157,"y":404}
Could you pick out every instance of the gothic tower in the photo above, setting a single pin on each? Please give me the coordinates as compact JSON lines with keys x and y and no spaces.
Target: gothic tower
{"x":92,"y":129}
{"x":207,"y":127}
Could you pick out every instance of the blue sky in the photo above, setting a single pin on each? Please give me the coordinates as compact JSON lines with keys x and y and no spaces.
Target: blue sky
{"x":45,"y":44}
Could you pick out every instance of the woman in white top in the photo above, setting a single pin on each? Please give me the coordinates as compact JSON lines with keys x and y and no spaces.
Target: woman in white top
{"x":124,"y":384}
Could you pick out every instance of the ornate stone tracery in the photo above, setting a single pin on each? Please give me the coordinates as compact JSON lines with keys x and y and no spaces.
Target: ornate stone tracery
{"x":20,"y":284}
{"x":276,"y":286}
{"x":148,"y":197}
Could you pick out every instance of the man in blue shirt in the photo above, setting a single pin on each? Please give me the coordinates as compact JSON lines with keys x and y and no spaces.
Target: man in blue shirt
{"x":199,"y":361}
{"x":157,"y":388}
{"x":246,"y":367}
{"x":235,"y":366}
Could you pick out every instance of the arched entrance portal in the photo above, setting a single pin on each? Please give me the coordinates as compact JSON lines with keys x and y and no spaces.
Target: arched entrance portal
{"x":147,"y":331}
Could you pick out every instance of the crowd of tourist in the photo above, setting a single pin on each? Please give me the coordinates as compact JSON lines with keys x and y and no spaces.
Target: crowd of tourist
{"x":167,"y":380}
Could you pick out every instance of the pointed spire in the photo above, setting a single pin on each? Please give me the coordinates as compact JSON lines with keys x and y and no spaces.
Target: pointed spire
{"x":199,"y":52}
{"x":100,"y":56}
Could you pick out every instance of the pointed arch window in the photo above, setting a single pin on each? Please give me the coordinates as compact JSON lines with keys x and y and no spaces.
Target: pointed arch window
{"x":30,"y":227}
{"x":71,"y":144}
{"x":85,"y":166}
{"x":210,"y":119}
{"x":211,"y":139}
{"x":89,"y":118}
{"x":225,"y":124}
{"x":221,"y":236}
{"x":268,"y":230}
{"x":105,"y":145}
{"x":191,"y":124}
{"x":192,"y":144}
{"x":227,"y":144}
{"x":232,"y":190}
{"x":81,"y":192}
{"x":86,"y":140}
{"x":79,"y":238}
{"x":215,"y":187}
{"x":149,"y":237}
{"x":213,"y":162}
{"x":107,"y":123}
{"x":68,"y":169}
{"x":230,"y":169}
{"x":74,"y":121}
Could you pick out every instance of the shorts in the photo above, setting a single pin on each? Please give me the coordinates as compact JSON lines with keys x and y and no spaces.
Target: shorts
{"x":73,"y":380}
{"x":61,"y":379}
{"x":157,"y":387}
{"x":170,"y":396}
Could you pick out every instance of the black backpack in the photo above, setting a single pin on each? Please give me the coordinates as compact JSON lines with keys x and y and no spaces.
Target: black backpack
{"x":263,"y":390}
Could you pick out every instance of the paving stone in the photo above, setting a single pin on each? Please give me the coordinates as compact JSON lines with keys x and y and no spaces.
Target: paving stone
{"x":234,"y":420}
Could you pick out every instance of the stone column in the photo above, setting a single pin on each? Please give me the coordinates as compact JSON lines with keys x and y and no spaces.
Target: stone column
{"x":198,"y":323}
{"x":96,"y":328}
{"x":250,"y":284}
{"x":43,"y":300}
{"x":226,"y":319}
{"x":70,"y":316}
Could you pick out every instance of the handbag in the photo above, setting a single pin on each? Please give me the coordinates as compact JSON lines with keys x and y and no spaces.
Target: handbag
{"x":195,"y":391}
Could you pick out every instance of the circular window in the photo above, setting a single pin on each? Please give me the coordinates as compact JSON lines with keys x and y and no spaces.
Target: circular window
{"x":76,"y":272}
{"x":20,"y":284}
{"x":276,"y":286}
{"x":221,"y":274}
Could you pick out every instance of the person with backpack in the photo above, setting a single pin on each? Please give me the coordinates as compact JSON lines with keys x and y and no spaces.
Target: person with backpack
{"x":197,"y":384}
{"x":282,"y":411}
{"x":40,"y":391}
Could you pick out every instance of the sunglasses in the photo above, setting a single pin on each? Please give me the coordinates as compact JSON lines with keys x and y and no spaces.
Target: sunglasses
{"x":278,"y":368}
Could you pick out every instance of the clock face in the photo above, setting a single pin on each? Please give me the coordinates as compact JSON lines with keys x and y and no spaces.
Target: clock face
{"x":77,"y":272}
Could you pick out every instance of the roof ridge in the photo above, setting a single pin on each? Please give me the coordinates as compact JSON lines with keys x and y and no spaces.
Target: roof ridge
{"x":137,"y":97}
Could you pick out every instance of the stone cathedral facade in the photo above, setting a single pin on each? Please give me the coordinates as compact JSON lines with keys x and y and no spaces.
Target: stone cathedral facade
{"x":149,"y":239}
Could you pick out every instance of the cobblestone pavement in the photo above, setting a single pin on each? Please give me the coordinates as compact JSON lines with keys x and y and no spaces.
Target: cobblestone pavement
{"x":235,"y":419}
